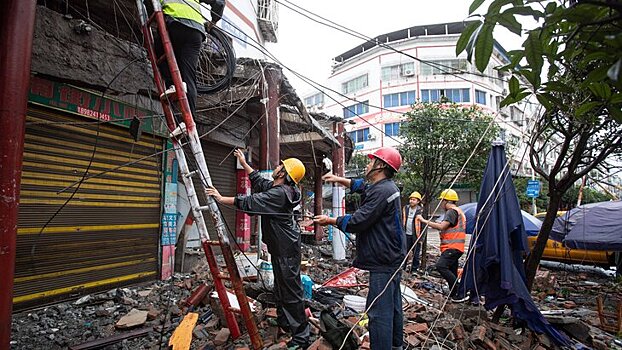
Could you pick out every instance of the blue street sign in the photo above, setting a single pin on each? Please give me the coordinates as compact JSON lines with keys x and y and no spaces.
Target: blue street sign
{"x":533,"y":188}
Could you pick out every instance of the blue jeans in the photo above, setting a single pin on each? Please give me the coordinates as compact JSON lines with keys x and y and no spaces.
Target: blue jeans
{"x":386,"y":320}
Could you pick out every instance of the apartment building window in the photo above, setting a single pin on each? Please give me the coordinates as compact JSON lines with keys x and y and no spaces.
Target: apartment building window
{"x":453,"y":95}
{"x":315,"y":100}
{"x":357,"y":109}
{"x":392,"y":129}
{"x":397,"y":71}
{"x":443,"y":66}
{"x":480,"y":97}
{"x":405,"y":98}
{"x":355,"y":84}
{"x":359,"y":135}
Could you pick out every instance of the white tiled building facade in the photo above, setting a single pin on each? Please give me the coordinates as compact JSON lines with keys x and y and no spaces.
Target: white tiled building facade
{"x":376,"y":76}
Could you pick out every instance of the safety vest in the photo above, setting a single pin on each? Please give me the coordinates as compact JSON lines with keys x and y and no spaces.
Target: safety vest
{"x":186,"y":9}
{"x":454,"y":237}
{"x":417,"y":227}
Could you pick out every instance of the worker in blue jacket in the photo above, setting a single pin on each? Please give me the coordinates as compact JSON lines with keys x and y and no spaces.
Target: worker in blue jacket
{"x":380,"y":244}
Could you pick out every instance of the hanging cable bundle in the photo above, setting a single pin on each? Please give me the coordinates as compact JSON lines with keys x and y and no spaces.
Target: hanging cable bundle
{"x":216,"y":52}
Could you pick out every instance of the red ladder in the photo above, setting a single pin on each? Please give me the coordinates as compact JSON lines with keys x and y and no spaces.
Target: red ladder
{"x":187,"y":129}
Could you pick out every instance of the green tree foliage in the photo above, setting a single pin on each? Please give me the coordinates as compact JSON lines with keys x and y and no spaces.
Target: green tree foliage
{"x":577,"y":49}
{"x":520,"y":183}
{"x":569,"y":199}
{"x":438,"y":140}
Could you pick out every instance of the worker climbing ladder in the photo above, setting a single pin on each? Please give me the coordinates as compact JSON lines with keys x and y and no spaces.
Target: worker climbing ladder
{"x":186,"y":129}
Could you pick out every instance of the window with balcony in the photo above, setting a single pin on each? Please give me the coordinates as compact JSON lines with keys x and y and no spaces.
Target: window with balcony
{"x":397,"y":72}
{"x":359,"y":135}
{"x":357,"y":109}
{"x":355,"y":84}
{"x":435,"y":67}
{"x":405,"y":98}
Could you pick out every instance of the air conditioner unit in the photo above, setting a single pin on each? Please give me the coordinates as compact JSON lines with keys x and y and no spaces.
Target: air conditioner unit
{"x":408,"y":72}
{"x":371,"y":137}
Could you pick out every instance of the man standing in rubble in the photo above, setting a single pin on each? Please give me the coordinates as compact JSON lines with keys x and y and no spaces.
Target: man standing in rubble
{"x":276,"y":200}
{"x":185,"y":26}
{"x":412,"y":228}
{"x":380,"y":244}
{"x":453,"y":235}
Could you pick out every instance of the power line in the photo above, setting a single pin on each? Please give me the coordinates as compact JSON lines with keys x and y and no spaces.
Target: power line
{"x":351,"y":32}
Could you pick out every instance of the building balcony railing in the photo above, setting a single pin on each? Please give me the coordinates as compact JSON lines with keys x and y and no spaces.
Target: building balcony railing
{"x":268,"y":19}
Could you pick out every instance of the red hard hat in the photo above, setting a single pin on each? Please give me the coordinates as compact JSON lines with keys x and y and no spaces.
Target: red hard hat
{"x":388,"y":155}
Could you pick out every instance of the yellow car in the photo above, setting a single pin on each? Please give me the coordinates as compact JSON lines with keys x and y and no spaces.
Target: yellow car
{"x":557,"y":251}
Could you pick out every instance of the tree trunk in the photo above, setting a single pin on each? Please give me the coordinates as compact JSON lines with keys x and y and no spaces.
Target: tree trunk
{"x":531,"y":265}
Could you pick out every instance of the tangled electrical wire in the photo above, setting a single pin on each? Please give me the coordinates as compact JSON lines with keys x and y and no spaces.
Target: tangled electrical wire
{"x":216,"y":52}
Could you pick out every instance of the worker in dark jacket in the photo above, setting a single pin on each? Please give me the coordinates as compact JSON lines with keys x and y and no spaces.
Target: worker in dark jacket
{"x":276,"y":200}
{"x":380,"y":244}
{"x":185,"y":26}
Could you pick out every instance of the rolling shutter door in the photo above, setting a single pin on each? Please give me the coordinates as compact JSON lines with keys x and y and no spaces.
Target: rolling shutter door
{"x":223,"y":177}
{"x":107,"y":235}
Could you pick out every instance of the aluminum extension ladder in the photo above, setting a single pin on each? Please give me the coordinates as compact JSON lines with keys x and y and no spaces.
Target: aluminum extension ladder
{"x":187,"y":129}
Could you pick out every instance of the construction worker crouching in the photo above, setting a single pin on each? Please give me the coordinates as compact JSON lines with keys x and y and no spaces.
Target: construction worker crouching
{"x":412,"y":228}
{"x":276,"y":200}
{"x":452,"y":235}
{"x":380,"y":244}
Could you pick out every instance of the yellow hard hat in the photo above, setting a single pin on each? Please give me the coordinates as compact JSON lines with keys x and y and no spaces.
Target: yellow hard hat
{"x":294,"y":168}
{"x":415,"y":195}
{"x":449,"y":195}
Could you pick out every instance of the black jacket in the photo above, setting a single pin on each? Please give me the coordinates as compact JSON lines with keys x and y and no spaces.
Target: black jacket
{"x":280,"y":232}
{"x":380,"y":241}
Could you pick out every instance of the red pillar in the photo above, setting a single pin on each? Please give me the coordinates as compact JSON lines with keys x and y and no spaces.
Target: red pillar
{"x":242,"y":220}
{"x":318,"y":200}
{"x":16,"y":31}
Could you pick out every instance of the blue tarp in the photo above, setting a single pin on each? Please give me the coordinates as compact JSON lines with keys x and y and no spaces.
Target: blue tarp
{"x":494,"y":267}
{"x":594,"y":226}
{"x":531,"y":223}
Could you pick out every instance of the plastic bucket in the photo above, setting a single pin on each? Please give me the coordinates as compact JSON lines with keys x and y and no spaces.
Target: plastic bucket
{"x":355,"y":302}
{"x":266,"y":274}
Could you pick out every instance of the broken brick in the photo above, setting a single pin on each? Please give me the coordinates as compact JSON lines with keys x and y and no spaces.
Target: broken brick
{"x":416,"y":328}
{"x":222,"y":336}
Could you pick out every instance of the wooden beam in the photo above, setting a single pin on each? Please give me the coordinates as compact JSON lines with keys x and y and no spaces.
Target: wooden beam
{"x":292,"y":118}
{"x":232,"y":95}
{"x":300,"y":138}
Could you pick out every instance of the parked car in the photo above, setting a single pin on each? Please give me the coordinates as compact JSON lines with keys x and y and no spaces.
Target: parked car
{"x":558,"y":252}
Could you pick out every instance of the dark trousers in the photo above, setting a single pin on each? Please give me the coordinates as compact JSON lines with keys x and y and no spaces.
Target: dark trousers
{"x":410,"y":241}
{"x":186,"y":43}
{"x":447,"y":266}
{"x":386,"y":318}
{"x":290,"y":305}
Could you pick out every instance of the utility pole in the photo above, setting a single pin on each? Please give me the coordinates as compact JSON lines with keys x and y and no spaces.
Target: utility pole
{"x":16,"y":31}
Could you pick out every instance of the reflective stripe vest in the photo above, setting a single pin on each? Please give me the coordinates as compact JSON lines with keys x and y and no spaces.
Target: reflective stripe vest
{"x":454,"y":237}
{"x":186,"y":9}
{"x":417,"y":227}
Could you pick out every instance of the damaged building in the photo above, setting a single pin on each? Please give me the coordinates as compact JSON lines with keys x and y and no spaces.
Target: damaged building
{"x":99,"y":185}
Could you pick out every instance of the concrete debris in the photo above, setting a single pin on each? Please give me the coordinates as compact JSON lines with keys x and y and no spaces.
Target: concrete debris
{"x":566,"y":298}
{"x":132,"y":319}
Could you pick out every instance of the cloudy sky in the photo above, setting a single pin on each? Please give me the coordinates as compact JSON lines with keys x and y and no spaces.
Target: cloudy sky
{"x":308,"y":47}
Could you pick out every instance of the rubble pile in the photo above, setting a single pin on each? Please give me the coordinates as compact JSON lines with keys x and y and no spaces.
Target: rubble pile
{"x":146,"y":316}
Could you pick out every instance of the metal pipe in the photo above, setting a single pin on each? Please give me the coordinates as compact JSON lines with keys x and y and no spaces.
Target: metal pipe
{"x":319,"y":230}
{"x":339,"y":239}
{"x":16,"y":32}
